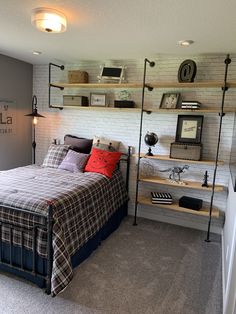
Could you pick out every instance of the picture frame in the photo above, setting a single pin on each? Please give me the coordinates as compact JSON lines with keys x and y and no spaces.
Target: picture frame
{"x":169,"y":100}
{"x":97,"y":100}
{"x":112,"y":73}
{"x":189,"y":129}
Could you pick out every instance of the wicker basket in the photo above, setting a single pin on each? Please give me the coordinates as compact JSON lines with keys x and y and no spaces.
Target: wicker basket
{"x":77,"y":76}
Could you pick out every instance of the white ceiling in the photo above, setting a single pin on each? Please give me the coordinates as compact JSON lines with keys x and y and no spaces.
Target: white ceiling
{"x":118,"y":29}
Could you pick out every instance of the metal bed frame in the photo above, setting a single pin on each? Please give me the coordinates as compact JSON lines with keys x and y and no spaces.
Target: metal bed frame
{"x":47,"y":225}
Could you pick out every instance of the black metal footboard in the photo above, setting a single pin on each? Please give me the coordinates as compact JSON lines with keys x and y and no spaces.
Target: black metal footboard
{"x":46,"y":224}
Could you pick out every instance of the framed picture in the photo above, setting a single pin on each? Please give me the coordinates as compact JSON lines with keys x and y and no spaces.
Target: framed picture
{"x":169,"y":101}
{"x":189,"y":129}
{"x":112,"y":73}
{"x":97,"y":100}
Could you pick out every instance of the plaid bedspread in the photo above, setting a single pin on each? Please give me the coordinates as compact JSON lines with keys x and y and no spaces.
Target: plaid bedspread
{"x":82,"y":204}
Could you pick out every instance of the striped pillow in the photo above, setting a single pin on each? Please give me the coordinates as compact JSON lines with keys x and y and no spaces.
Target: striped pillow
{"x":55,"y":155}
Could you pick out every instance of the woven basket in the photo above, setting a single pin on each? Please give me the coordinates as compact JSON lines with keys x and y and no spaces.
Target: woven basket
{"x":77,"y":76}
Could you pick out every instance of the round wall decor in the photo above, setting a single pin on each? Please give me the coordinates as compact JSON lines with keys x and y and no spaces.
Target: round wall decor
{"x":187,"y":71}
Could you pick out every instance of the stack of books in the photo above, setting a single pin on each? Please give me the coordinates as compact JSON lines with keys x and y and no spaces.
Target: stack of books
{"x":190,"y":105}
{"x":161,"y":198}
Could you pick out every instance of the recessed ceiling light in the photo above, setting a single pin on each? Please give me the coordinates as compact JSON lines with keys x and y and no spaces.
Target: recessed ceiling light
{"x":48,"y":20}
{"x":185,"y":43}
{"x":37,"y":53}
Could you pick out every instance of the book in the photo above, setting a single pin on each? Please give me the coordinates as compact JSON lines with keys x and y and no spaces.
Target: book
{"x":188,"y":102}
{"x":190,"y":107}
{"x":161,"y":198}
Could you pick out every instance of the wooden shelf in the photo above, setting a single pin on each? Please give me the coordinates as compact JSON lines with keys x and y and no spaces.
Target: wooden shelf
{"x":167,"y":158}
{"x":98,"y":85}
{"x":176,"y":207}
{"x":209,"y":84}
{"x":206,"y":84}
{"x":183,"y":111}
{"x":189,"y":184}
{"x":98,"y":108}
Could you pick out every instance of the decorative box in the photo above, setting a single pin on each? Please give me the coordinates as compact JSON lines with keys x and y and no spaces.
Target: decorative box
{"x":77,"y":76}
{"x":69,"y":100}
{"x":185,"y":151}
{"x":190,"y":202}
{"x":124,"y":104}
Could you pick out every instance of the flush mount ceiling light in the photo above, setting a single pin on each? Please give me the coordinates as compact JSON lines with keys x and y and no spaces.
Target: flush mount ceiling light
{"x":37,"y":53}
{"x":185,"y":43}
{"x":48,"y":20}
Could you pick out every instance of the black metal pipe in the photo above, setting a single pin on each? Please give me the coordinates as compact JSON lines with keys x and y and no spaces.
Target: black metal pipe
{"x":53,"y":85}
{"x":151,"y":63}
{"x":224,"y":88}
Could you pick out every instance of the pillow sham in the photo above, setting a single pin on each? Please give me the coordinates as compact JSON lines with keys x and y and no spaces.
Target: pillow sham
{"x":55,"y":155}
{"x":102,"y":161}
{"x":106,"y":144}
{"x":78,"y":144}
{"x":74,"y":162}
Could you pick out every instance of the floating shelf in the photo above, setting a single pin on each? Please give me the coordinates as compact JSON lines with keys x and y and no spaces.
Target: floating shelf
{"x":209,"y":84}
{"x":175,"y":207}
{"x":98,"y":85}
{"x":189,"y":184}
{"x":167,"y":158}
{"x":98,"y":108}
{"x":215,"y":110}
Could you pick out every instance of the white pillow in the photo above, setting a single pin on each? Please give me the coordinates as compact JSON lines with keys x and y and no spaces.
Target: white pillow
{"x":105,"y":141}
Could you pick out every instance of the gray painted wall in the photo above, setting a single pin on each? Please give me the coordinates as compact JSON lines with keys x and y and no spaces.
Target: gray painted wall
{"x":16,"y":85}
{"x":229,"y":254}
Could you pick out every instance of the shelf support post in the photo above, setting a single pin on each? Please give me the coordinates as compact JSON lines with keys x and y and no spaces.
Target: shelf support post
{"x":224,"y":89}
{"x":150,"y":88}
{"x":53,"y":85}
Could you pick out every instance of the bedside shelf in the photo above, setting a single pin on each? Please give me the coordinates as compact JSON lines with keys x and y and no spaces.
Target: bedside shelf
{"x":189,"y":184}
{"x":175,"y":207}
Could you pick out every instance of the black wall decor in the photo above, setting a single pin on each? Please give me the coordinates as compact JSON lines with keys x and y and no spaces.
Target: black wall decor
{"x":187,"y":71}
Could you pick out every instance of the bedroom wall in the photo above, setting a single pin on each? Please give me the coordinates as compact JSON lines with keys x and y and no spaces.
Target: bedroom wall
{"x":16,"y":91}
{"x":124,"y":126}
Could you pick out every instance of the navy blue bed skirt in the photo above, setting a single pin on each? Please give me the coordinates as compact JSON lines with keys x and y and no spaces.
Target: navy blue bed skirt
{"x":41,"y":263}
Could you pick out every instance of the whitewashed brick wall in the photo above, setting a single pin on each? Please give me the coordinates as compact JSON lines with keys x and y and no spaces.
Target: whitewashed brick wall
{"x":124,"y":126}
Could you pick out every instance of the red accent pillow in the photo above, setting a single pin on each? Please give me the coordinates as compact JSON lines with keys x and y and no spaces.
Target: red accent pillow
{"x":102,"y":161}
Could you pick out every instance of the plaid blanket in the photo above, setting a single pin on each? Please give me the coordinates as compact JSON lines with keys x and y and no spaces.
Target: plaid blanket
{"x":82,"y":204}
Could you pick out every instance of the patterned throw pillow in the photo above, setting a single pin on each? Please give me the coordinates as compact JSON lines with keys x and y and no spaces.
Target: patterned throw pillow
{"x":55,"y":155}
{"x":102,"y":161}
{"x":74,"y":162}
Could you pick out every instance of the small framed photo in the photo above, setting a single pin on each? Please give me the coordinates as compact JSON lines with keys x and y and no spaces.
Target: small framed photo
{"x":189,"y":129}
{"x":97,"y":100}
{"x":169,"y":101}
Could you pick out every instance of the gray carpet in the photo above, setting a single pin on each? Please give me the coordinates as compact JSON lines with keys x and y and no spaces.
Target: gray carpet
{"x":151,"y":268}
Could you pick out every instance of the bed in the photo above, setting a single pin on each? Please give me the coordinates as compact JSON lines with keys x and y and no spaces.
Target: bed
{"x":52,"y":219}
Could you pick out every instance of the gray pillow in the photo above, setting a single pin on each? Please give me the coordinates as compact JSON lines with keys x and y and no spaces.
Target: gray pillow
{"x":55,"y":155}
{"x":74,"y":162}
{"x":78,"y":144}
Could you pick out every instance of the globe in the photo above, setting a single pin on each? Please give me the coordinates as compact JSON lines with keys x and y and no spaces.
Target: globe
{"x":150,"y":139}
